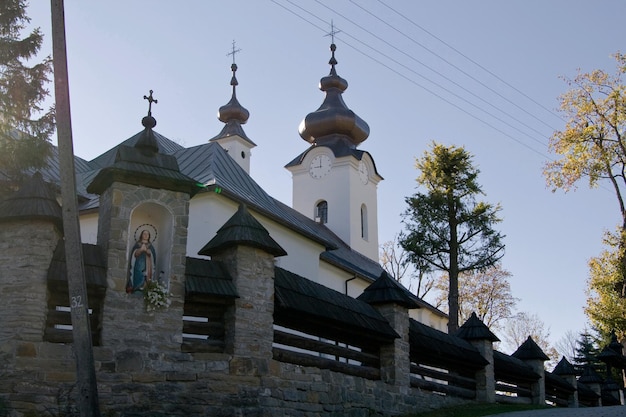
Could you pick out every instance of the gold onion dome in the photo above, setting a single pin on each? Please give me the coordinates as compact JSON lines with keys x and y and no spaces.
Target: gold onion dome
{"x":333,"y":119}
{"x":233,"y":111}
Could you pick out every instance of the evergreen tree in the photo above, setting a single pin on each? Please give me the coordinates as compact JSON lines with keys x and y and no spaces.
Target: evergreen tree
{"x":25,"y":128}
{"x":587,"y":352}
{"x":446,"y":226}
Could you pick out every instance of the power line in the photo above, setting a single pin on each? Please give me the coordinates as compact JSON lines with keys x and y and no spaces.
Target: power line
{"x":412,"y":81}
{"x":541,"y":142}
{"x":471,"y":60}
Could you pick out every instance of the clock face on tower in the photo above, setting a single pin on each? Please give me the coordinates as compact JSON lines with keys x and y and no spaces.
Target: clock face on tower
{"x":320,"y":166}
{"x":363,"y":172}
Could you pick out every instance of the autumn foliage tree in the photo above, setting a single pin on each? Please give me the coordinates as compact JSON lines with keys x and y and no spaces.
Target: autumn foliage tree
{"x":25,"y":127}
{"x":486,"y":293}
{"x":606,"y":305}
{"x":592,"y":146}
{"x":447,"y":228}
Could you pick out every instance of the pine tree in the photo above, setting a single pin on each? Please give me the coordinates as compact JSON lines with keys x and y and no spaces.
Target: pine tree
{"x":447,"y":228}
{"x":25,"y":127}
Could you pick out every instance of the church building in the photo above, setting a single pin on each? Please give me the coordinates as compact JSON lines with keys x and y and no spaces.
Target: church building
{"x":330,"y":232}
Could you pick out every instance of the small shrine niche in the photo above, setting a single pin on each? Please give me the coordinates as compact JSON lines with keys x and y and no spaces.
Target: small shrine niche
{"x":149,"y":244}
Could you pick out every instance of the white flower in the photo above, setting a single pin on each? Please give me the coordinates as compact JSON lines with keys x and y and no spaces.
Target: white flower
{"x":156,"y":296}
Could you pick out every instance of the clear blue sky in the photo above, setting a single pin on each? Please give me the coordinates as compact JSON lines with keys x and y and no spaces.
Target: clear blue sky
{"x":409,"y":74}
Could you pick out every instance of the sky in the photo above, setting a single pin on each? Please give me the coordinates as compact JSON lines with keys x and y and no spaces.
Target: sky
{"x":484,"y":75}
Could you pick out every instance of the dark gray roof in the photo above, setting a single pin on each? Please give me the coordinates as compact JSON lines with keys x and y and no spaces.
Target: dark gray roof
{"x":242,"y":229}
{"x":34,"y":200}
{"x":509,"y":368}
{"x":387,"y":290}
{"x":590,"y":376}
{"x":210,"y":164}
{"x":208,"y":277}
{"x":435,"y":348}
{"x":93,"y":260}
{"x":475,"y":329}
{"x":166,"y":146}
{"x":143,"y":164}
{"x":530,"y":350}
{"x":554,"y":383}
{"x":295,"y":294}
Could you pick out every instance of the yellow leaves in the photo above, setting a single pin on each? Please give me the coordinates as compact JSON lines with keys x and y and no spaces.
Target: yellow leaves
{"x":591,"y":143}
{"x":606,"y":308}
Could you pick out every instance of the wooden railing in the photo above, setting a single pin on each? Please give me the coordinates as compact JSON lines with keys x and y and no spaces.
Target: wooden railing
{"x":303,"y":349}
{"x":442,"y":381}
{"x":203,"y":323}
{"x":59,"y":321}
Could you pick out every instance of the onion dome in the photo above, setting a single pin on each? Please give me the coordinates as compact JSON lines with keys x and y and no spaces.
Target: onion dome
{"x":333,"y":119}
{"x":233,"y":110}
{"x":233,"y":113}
{"x":147,"y":143}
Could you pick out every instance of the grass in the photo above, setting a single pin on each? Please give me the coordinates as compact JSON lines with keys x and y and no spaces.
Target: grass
{"x":477,"y":410}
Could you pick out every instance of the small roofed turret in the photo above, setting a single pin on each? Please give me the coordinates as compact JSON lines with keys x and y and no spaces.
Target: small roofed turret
{"x":242,"y":229}
{"x":564,"y":368}
{"x":333,"y":121}
{"x":386,"y":290}
{"x":530,"y":350}
{"x":475,"y":329}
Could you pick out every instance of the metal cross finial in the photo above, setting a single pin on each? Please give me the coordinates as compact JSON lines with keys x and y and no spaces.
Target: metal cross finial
{"x":333,"y":32}
{"x":150,"y":101}
{"x":234,"y":51}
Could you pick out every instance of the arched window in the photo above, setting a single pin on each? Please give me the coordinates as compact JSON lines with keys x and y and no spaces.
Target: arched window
{"x":364,"y":221}
{"x":321,"y":212}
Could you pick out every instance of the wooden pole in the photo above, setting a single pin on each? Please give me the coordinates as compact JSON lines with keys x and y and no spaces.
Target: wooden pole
{"x":83,"y":350}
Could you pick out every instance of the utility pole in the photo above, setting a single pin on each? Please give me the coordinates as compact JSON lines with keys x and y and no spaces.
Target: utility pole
{"x":83,"y":350}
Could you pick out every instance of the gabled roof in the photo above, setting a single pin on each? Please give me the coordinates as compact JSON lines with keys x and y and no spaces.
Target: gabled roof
{"x":295,"y":294}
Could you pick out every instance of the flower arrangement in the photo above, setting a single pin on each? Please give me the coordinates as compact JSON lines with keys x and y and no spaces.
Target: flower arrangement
{"x":155,"y":296}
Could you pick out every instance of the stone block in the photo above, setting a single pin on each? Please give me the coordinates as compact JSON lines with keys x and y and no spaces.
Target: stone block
{"x":128,"y":361}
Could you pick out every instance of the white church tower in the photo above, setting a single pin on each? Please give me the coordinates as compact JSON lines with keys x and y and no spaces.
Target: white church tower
{"x":334,"y":182}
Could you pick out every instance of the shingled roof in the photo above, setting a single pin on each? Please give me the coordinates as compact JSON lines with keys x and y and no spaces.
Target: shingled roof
{"x":93,"y":260}
{"x":34,"y":200}
{"x":509,"y":368}
{"x":298,"y":299}
{"x":435,"y":348}
{"x":208,"y":277}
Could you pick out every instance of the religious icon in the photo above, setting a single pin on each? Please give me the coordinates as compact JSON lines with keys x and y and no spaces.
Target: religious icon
{"x":142,"y":260}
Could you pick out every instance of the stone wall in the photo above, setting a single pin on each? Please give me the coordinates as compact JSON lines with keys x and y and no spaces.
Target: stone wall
{"x":141,"y":370}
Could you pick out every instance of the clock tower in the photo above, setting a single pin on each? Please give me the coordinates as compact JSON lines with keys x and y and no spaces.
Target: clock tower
{"x":334,"y":182}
